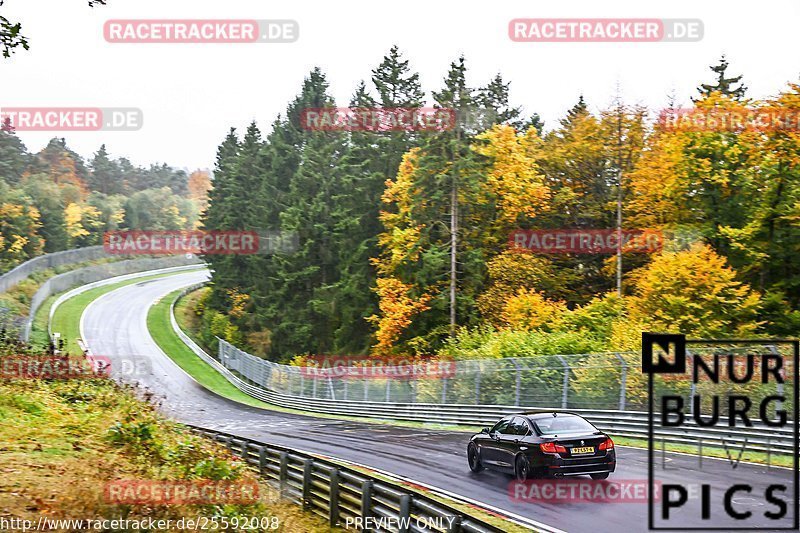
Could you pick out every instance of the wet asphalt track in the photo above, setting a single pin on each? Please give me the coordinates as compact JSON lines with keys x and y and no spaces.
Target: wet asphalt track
{"x":115,"y":325}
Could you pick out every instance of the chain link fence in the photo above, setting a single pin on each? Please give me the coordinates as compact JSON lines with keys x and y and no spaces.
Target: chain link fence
{"x":609,"y":381}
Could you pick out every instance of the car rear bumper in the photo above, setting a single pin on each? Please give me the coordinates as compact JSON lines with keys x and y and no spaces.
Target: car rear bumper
{"x":556,"y":466}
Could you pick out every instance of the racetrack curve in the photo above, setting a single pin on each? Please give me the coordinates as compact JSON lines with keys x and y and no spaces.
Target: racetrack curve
{"x":115,"y":325}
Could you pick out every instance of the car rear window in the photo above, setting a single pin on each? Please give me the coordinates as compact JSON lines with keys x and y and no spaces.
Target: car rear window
{"x":563,"y":424}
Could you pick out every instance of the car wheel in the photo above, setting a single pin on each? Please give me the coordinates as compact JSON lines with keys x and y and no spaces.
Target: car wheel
{"x":522,"y":468}
{"x":603,"y":475}
{"x":474,"y":459}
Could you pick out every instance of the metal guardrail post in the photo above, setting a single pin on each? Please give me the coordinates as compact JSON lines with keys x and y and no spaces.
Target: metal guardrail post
{"x":404,"y":513}
{"x":518,"y":387}
{"x":444,"y":390}
{"x":262,"y":459}
{"x":333,"y":515}
{"x":388,"y":390}
{"x":623,"y":381}
{"x":283,"y":473}
{"x":308,"y":464}
{"x":244,"y":450}
{"x":565,"y":389}
{"x":366,"y":501}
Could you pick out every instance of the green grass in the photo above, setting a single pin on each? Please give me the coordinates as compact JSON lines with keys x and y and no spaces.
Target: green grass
{"x":748,"y":456}
{"x":159,"y":325}
{"x":67,"y":318}
{"x":39,"y":336}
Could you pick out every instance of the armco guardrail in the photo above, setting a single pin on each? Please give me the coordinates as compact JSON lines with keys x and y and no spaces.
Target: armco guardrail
{"x":618,"y":423}
{"x":337,"y":492}
{"x":91,"y":274}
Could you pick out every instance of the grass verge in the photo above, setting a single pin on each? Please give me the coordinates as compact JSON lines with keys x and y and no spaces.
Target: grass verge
{"x":67,"y":318}
{"x":732,"y":454}
{"x":63,"y":441}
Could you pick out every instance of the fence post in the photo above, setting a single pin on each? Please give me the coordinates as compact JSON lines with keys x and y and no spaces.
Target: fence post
{"x":404,"y":513}
{"x":344,"y":384}
{"x":333,"y":515}
{"x":693,"y":385}
{"x":314,"y":388}
{"x":302,"y":386}
{"x":565,"y":388}
{"x":283,"y":473}
{"x":330,"y":388}
{"x":623,"y":381}
{"x":478,"y":373}
{"x":307,"y":466}
{"x":366,"y":501}
{"x":518,"y":386}
{"x":388,"y":390}
{"x":245,"y":451}
{"x":444,"y":390}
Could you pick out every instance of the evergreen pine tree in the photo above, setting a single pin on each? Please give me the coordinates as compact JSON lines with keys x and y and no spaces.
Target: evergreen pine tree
{"x":723,"y":85}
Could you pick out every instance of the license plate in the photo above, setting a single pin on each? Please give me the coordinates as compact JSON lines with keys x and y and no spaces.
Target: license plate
{"x":586,"y":449}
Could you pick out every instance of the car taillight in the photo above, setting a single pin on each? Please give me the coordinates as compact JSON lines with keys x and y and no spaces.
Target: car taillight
{"x":607,"y":444}
{"x":552,"y":447}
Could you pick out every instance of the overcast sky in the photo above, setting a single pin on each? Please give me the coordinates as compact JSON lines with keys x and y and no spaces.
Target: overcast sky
{"x":191,"y":94}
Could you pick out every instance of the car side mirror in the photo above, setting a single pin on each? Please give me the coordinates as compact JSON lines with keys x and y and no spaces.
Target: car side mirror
{"x":485,"y":430}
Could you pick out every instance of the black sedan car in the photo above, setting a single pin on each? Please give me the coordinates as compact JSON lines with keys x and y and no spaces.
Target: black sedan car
{"x":546,"y":444}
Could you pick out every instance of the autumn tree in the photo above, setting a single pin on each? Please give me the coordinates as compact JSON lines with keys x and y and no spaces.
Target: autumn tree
{"x":696,"y":293}
{"x":198,"y":186}
{"x":512,"y":271}
{"x":19,"y":227}
{"x":528,"y":310}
